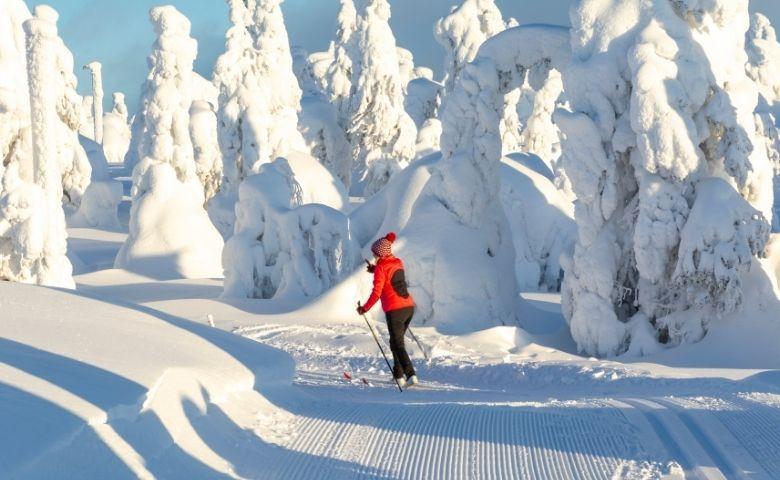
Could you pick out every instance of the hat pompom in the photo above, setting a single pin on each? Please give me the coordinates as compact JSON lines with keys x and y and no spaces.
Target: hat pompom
{"x":390,"y":237}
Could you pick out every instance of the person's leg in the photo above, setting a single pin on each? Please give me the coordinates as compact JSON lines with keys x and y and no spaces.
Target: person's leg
{"x":398,"y":370}
{"x":408,"y":368}
{"x":398,"y":320}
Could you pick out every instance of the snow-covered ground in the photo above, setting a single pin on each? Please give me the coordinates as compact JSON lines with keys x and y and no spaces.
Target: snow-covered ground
{"x":130,"y":377}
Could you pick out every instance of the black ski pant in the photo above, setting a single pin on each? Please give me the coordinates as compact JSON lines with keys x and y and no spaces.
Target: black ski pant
{"x":397,"y":323}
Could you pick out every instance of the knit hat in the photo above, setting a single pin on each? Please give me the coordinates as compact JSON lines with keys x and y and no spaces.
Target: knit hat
{"x":383,"y":247}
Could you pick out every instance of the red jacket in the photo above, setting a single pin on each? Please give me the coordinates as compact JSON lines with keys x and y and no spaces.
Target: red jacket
{"x":386,"y":275}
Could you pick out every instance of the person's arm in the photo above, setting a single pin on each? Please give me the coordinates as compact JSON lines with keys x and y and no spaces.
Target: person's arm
{"x":379,"y":283}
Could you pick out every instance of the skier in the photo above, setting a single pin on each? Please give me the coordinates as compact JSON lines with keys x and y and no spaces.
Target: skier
{"x":398,"y":305}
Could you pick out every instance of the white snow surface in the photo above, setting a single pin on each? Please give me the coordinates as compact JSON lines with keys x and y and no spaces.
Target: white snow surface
{"x":127,"y":377}
{"x":660,"y":101}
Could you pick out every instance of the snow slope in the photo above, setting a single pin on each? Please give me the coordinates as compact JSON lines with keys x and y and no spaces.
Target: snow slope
{"x":176,"y":398}
{"x":95,"y":389}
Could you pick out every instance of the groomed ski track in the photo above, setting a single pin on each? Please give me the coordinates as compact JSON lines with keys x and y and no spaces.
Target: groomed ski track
{"x":448,"y":431}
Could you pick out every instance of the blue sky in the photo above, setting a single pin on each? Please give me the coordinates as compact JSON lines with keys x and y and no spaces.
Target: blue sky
{"x":118,"y":34}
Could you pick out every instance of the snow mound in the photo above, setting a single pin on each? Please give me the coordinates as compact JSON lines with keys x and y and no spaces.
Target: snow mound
{"x":170,"y":234}
{"x":324,"y":136}
{"x":116,"y":131}
{"x":422,"y":100}
{"x":542,"y":223}
{"x":99,"y":206}
{"x":283,"y":247}
{"x":93,"y":389}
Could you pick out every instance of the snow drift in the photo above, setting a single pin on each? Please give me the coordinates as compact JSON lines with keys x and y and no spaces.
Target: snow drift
{"x":125,"y":391}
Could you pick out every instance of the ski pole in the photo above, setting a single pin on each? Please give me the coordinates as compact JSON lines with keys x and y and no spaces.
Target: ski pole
{"x":414,"y":337}
{"x":376,"y":339}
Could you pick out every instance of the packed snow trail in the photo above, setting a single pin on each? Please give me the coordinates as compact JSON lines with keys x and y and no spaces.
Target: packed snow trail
{"x":584,"y":423}
{"x":501,"y":403}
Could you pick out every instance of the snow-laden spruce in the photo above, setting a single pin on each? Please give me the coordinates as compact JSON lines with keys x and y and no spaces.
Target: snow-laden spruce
{"x":116,"y":130}
{"x":660,"y":103}
{"x":259,"y":96}
{"x":318,"y":122}
{"x":74,"y":166}
{"x":763,"y":67}
{"x":542,"y":222}
{"x":463,"y":31}
{"x":208,"y":159}
{"x":381,"y":133}
{"x":170,"y":235}
{"x":33,"y":241}
{"x":539,"y":135}
{"x":259,"y":100}
{"x":96,"y":72}
{"x":284,"y":248}
{"x":337,"y":79}
{"x":458,"y":244}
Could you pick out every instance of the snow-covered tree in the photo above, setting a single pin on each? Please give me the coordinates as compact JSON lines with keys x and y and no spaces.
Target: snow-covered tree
{"x":463,"y":31}
{"x":458,"y":244}
{"x":75,"y":168}
{"x":660,"y":103}
{"x":539,"y":134}
{"x":33,"y":242}
{"x":763,"y":68}
{"x":259,"y":97}
{"x":318,"y":122}
{"x":96,"y":72}
{"x":423,"y":97}
{"x":342,"y":52}
{"x":208,"y":159}
{"x":382,"y":134}
{"x":405,"y":66}
{"x":283,"y":248}
{"x":116,"y":131}
{"x":170,"y":232}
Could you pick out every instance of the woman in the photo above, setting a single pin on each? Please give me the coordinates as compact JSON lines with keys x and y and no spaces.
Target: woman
{"x":390,"y":286}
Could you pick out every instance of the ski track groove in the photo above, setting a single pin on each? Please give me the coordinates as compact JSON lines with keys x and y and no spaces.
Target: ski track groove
{"x":411,"y":436}
{"x":757,"y":427}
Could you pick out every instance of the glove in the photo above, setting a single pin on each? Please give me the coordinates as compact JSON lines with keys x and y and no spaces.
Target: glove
{"x":369,"y":267}
{"x":361,"y":310}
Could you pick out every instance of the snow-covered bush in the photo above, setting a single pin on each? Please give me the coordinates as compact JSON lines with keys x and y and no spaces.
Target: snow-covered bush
{"x":381,"y":133}
{"x":539,"y":134}
{"x":99,"y":206}
{"x":304,"y":72}
{"x":429,"y":137}
{"x":208,"y":159}
{"x":423,"y":97}
{"x":405,"y":66}
{"x":170,"y":233}
{"x":100,"y":202}
{"x":282,"y":248}
{"x":259,"y":96}
{"x":542,"y":223}
{"x":457,"y":244}
{"x":33,"y":242}
{"x":660,"y":102}
{"x":722,"y":236}
{"x":116,"y":131}
{"x":324,"y":136}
